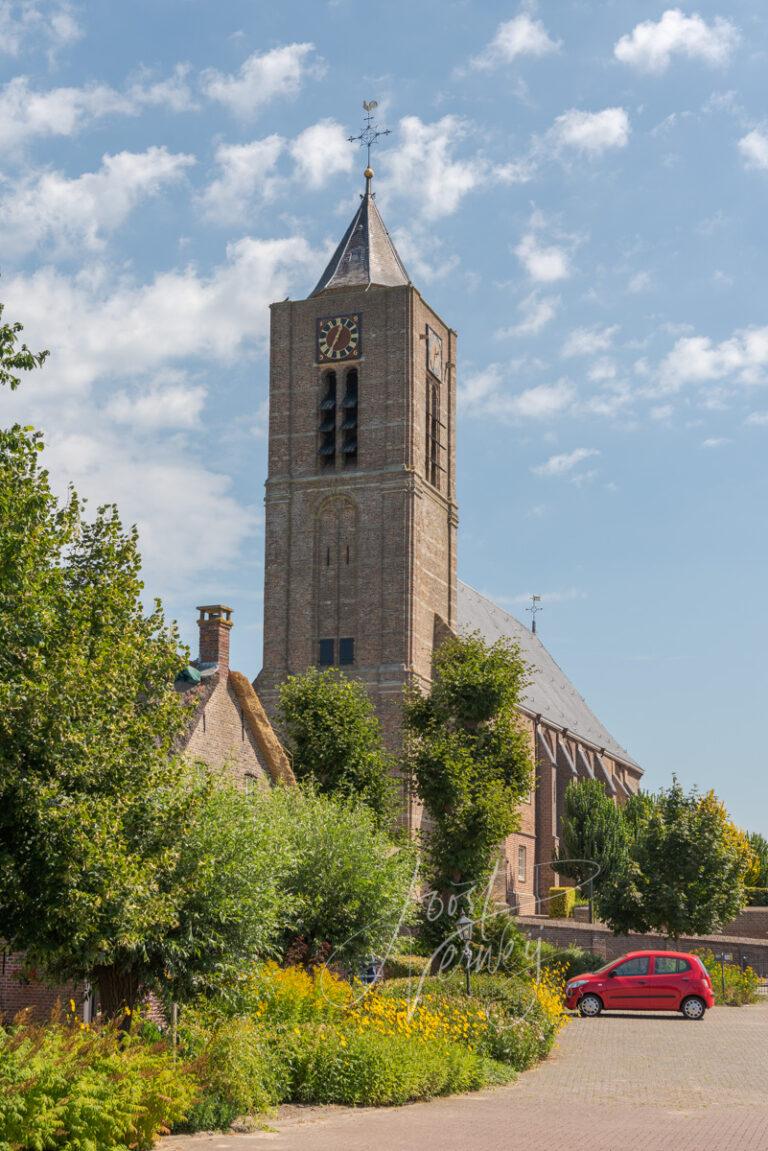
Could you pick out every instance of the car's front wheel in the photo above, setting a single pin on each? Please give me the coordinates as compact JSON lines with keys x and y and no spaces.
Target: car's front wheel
{"x":590,"y":1005}
{"x":693,"y":1007}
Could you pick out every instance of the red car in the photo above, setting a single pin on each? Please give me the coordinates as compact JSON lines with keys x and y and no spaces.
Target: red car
{"x":644,"y":981}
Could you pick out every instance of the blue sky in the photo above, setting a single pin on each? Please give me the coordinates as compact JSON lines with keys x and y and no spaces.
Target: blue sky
{"x":579,"y":187}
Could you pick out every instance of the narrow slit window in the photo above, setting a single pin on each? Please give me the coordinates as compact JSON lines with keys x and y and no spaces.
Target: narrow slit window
{"x":522,"y":864}
{"x":433,"y":434}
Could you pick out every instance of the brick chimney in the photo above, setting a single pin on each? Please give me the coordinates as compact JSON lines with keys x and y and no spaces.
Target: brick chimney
{"x":215,"y":623}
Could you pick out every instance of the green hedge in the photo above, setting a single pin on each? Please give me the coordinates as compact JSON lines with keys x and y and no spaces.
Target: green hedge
{"x":562,"y":901}
{"x":758,"y":896}
{"x":740,"y":986}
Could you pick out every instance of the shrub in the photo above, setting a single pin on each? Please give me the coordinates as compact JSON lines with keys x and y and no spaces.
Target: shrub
{"x":570,"y":961}
{"x":740,"y":986}
{"x":70,"y":1087}
{"x":757,"y":896}
{"x":562,"y":901}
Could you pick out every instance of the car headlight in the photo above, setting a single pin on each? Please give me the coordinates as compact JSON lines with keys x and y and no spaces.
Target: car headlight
{"x":576,"y":983}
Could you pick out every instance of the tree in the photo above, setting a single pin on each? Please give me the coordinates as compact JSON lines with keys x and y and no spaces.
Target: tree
{"x":348,"y":884}
{"x":593,"y":838}
{"x":471,"y":763}
{"x":119,"y":862}
{"x":757,"y":876}
{"x":334,"y":738}
{"x":686,"y":870}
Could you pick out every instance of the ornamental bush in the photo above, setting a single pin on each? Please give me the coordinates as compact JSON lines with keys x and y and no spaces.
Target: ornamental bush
{"x":740,"y":985}
{"x":562,"y":901}
{"x":70,"y":1087}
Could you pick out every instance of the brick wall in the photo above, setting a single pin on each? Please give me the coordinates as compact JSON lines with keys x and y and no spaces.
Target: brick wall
{"x":596,"y":937}
{"x":221,"y":737}
{"x":19,"y":991}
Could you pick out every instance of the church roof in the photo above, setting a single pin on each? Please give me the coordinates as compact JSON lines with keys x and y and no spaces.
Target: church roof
{"x":550,"y":693}
{"x":366,"y":254}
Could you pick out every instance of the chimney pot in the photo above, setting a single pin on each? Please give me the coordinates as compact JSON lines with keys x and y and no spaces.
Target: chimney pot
{"x":215,"y":623}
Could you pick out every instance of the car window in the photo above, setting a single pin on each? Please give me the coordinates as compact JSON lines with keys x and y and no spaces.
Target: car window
{"x":670,"y":965}
{"x":637,"y":966}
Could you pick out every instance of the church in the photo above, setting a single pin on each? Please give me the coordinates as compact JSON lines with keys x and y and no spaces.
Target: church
{"x":362,"y":521}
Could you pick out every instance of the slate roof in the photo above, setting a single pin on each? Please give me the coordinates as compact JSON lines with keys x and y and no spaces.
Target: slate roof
{"x":366,"y":254}
{"x":550,"y":694}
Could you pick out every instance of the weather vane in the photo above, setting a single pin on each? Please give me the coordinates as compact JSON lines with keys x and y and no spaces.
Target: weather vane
{"x":369,"y":136}
{"x":533,"y":609}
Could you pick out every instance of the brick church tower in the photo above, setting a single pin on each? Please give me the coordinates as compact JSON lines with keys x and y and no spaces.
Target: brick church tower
{"x":361,"y":514}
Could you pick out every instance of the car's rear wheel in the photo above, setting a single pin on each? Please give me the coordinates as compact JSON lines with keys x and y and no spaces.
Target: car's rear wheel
{"x":693,"y":1007}
{"x":590,"y":1005}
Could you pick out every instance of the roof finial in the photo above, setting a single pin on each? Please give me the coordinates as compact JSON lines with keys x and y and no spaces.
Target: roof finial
{"x":368,"y":138}
{"x":534,"y":609}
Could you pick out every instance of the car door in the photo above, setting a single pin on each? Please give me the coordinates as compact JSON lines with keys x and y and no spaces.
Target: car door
{"x":627,"y":987}
{"x":668,"y":977}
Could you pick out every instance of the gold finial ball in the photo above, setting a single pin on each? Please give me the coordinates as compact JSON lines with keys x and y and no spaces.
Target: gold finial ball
{"x":368,"y":173}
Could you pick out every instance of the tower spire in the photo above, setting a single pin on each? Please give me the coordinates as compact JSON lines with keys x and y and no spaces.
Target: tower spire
{"x":368,"y":137}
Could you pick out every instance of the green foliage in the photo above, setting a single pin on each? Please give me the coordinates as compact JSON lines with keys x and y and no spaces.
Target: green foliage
{"x":470,"y":759}
{"x":119,"y":862}
{"x":347,"y":884}
{"x":757,"y":876}
{"x":570,"y":961}
{"x":14,"y":359}
{"x":562,"y":901}
{"x":334,"y":738}
{"x":71,"y":1088}
{"x":686,"y":867}
{"x":740,"y":986}
{"x":594,"y":836}
{"x":757,"y":896}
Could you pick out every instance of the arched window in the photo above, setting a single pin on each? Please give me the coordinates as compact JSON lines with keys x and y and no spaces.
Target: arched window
{"x":349,"y":419}
{"x":327,"y":425}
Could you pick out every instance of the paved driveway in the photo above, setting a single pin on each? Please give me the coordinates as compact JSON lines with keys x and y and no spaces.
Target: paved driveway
{"x":618,"y":1083}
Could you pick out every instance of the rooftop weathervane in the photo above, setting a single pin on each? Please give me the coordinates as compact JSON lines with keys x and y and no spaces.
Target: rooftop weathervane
{"x":368,"y":137}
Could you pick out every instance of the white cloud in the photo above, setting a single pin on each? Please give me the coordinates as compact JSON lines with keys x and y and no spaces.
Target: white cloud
{"x":262,"y":78}
{"x":101,"y":329}
{"x":640,"y":282}
{"x":485,"y":393}
{"x":757,"y":419}
{"x":423,"y":253}
{"x":537,"y":311}
{"x":564,"y":463}
{"x":26,"y":113}
{"x":26,"y":24}
{"x":520,"y":36}
{"x":715,"y":442}
{"x":591,"y":132}
{"x":651,"y":46}
{"x":754,"y":149}
{"x":247,"y":174}
{"x":602,"y":370}
{"x":589,"y":341}
{"x":168,"y":403}
{"x":696,"y":359}
{"x":62,"y":214}
{"x":544,"y":263}
{"x":320,"y":152}
{"x":424,"y":166}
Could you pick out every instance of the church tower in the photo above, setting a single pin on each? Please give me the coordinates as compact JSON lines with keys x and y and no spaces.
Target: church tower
{"x":361,"y":514}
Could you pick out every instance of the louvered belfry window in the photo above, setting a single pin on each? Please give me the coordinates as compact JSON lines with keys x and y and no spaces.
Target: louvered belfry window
{"x":327,"y":424}
{"x":349,"y":419}
{"x":432,"y":459}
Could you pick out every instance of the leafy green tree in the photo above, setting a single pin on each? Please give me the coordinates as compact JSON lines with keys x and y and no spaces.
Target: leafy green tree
{"x":334,"y":738}
{"x":119,"y":862}
{"x":686,"y":870}
{"x":757,"y":876}
{"x":349,"y":886}
{"x":471,"y":763}
{"x":593,"y":837}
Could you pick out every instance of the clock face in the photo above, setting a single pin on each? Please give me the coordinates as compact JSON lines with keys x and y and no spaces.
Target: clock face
{"x":338,"y":338}
{"x":434,"y":353}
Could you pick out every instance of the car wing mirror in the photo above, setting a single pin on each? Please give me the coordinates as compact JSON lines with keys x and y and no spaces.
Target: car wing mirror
{"x":611,"y":974}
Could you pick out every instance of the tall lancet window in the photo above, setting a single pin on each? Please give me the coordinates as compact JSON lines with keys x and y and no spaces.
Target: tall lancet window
{"x":349,"y":409}
{"x":335,"y":569}
{"x":432,"y":468}
{"x":327,"y":425}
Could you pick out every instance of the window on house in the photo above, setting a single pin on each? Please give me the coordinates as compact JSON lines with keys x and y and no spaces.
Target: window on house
{"x":346,"y":651}
{"x":325,"y":652}
{"x":522,"y":864}
{"x":349,"y":419}
{"x":327,"y":425}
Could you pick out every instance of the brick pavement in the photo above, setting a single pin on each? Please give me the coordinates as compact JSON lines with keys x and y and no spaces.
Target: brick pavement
{"x":614,"y":1084}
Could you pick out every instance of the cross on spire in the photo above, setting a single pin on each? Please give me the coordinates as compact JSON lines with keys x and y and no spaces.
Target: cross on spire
{"x":368,"y":137}
{"x":534,"y":609}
